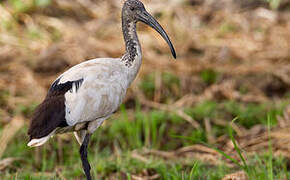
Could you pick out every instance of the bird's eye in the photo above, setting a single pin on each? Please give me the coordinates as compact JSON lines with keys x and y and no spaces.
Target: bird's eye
{"x":132,"y":8}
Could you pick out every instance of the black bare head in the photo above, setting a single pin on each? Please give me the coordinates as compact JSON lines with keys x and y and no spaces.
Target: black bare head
{"x":134,"y":11}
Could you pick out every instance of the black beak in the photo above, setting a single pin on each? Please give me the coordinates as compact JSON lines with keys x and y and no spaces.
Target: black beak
{"x":146,"y":18}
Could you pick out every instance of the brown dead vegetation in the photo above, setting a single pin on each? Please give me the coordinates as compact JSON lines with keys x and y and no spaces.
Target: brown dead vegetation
{"x":249,"y":47}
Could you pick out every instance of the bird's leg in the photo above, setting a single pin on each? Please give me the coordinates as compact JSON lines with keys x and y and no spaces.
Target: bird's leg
{"x":84,"y":157}
{"x":80,"y":136}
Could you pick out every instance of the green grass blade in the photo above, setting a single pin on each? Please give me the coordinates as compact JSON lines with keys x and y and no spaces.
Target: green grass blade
{"x":224,"y":154}
{"x":270,"y":160}
{"x":128,"y":176}
{"x":237,"y":149}
{"x":193,"y":171}
{"x":214,"y":148}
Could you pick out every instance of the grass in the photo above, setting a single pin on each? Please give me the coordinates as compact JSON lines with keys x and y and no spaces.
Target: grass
{"x":105,"y":166}
{"x":21,"y":6}
{"x":136,"y":128}
{"x":112,"y":148}
{"x":274,"y":4}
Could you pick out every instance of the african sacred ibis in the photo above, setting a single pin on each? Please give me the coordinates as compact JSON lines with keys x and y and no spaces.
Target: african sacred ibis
{"x":84,"y":96}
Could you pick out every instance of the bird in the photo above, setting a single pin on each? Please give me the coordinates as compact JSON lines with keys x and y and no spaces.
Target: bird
{"x":85,"y":95}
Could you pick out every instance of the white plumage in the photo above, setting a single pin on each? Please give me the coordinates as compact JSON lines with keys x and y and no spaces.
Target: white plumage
{"x":104,"y":86}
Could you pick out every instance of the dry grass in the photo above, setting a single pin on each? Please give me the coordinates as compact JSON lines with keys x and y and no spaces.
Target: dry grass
{"x":247,"y":49}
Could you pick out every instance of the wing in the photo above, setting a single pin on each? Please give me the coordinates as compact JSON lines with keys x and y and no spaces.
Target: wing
{"x":50,"y":114}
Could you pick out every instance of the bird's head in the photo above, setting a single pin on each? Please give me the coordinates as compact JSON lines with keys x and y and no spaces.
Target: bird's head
{"x":134,"y":11}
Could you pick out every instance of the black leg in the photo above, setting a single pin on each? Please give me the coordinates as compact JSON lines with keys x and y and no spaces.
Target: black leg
{"x":84,"y":157}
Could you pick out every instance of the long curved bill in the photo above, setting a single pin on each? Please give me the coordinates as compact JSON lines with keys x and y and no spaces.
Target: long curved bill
{"x":146,"y":18}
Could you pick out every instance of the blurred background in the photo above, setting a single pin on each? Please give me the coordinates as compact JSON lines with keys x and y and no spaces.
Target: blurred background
{"x":220,"y":111}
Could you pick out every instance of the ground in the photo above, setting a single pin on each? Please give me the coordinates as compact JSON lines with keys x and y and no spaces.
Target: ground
{"x":220,"y":111}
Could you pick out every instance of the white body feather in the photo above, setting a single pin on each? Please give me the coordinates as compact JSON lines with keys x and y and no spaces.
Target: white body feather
{"x":104,"y":86}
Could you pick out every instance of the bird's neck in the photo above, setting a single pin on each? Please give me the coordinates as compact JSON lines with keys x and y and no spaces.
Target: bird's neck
{"x":133,"y":56}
